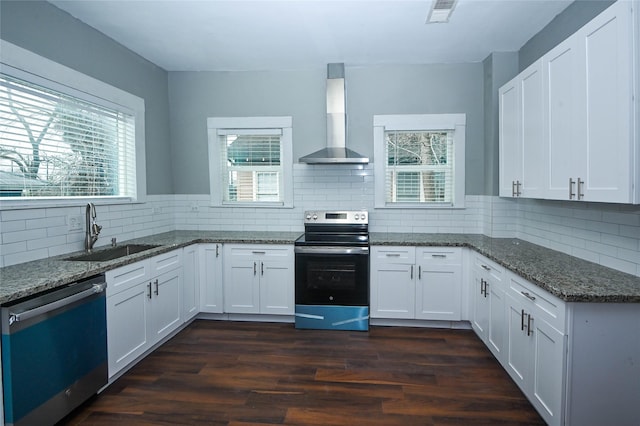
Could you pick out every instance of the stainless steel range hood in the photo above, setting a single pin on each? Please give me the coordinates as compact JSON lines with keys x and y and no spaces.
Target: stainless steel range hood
{"x":336,"y":151}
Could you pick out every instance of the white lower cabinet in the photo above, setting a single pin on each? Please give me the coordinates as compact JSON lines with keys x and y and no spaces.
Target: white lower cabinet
{"x":144,"y":305}
{"x":416,"y":282}
{"x":535,"y":356}
{"x":258,"y":279}
{"x":210,"y":273}
{"x":487,"y":298}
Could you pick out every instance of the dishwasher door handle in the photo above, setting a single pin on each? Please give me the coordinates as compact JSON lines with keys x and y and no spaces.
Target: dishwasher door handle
{"x":23,"y":316}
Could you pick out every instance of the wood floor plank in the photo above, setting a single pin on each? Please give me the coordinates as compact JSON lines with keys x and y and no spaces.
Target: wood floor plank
{"x":250,"y":374}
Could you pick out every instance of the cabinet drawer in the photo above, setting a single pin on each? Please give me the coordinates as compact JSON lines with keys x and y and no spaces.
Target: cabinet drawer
{"x":125,"y":277}
{"x":254,"y":251}
{"x":439,"y":255}
{"x":397,"y":254}
{"x":542,"y":303}
{"x":489,"y":267}
{"x":166,"y":262}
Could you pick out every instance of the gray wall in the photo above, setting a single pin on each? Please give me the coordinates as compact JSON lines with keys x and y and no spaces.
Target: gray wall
{"x":50,"y":32}
{"x":498,"y":69}
{"x":408,"y":89}
{"x":562,"y":26}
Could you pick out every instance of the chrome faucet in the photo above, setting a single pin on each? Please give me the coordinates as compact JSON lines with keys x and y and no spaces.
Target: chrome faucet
{"x":92,"y":228}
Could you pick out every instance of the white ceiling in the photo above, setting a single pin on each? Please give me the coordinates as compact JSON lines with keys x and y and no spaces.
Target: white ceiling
{"x":297,"y":34}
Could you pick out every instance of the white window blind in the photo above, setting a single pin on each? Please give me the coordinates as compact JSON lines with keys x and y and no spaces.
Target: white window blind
{"x":251,"y":167}
{"x":422,"y":160}
{"x":420,"y":167}
{"x":56,"y":145}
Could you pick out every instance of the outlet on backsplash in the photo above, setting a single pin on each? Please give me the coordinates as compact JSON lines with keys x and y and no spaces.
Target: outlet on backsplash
{"x":74,"y":223}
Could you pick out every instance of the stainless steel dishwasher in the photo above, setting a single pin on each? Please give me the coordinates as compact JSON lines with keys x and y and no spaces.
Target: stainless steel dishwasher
{"x":54,"y":352}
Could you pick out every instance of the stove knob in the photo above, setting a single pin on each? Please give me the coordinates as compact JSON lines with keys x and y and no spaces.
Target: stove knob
{"x":308,"y":217}
{"x":357,"y":216}
{"x":315,"y":217}
{"x":363,"y":216}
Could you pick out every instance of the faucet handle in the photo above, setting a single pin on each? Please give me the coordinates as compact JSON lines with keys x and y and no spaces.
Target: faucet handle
{"x":96,"y":228}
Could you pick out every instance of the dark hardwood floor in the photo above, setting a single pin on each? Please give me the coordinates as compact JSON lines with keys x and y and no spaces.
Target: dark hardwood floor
{"x":236,"y":373}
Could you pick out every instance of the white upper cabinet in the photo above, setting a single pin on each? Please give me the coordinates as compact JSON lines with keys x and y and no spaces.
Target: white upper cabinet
{"x":521,"y":134}
{"x":606,"y":131}
{"x":562,"y":89}
{"x":567,"y":123}
{"x":510,"y":141}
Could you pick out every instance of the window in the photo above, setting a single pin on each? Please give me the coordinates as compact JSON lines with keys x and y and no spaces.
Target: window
{"x":422,"y":160}
{"x":64,"y":139}
{"x":250,"y":161}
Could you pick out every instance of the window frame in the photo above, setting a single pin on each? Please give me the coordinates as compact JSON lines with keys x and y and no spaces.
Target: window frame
{"x":282,"y":123}
{"x":419,"y":122}
{"x":28,"y":66}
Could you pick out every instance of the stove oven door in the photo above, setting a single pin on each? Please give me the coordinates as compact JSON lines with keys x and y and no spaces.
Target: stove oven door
{"x":332,"y":287}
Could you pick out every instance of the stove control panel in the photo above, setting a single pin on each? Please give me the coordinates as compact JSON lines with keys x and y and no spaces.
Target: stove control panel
{"x":337,"y":217}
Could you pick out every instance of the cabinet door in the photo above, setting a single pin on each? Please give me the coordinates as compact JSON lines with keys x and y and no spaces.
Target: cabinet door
{"x":510,"y":164}
{"x":211,"y":278}
{"x":392,"y":290}
{"x":565,"y":152}
{"x":548,"y":371}
{"x":191,"y":283}
{"x":166,"y":303}
{"x":276,"y":287}
{"x":534,"y":158}
{"x":128,"y":325}
{"x":480,"y":305}
{"x":519,"y":346}
{"x":241,"y":285}
{"x":496,"y":333}
{"x":606,"y":131}
{"x":438,"y":292}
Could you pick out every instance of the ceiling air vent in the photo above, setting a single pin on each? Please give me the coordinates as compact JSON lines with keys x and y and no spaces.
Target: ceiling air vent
{"x":441,"y":11}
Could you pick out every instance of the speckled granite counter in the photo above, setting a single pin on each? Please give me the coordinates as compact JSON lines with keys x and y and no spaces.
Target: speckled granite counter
{"x":569,"y":278}
{"x":30,"y":278}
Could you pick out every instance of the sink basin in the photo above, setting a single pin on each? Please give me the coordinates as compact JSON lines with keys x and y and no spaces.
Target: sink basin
{"x":111,"y":253}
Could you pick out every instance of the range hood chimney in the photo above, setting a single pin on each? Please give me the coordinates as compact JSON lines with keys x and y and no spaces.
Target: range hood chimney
{"x":336,"y":151}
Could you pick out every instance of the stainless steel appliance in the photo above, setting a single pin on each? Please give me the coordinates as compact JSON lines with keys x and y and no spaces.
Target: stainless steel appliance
{"x":332,"y":271}
{"x":54,"y":352}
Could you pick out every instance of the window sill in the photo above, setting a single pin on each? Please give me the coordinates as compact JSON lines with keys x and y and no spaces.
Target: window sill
{"x":254,"y":205}
{"x":421,"y":206}
{"x":43,"y":203}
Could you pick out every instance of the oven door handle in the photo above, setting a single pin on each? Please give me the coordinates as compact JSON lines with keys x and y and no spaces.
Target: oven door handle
{"x":332,"y":250}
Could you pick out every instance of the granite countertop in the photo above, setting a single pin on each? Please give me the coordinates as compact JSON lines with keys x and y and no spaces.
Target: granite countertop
{"x":567,"y":277}
{"x":26,"y":279}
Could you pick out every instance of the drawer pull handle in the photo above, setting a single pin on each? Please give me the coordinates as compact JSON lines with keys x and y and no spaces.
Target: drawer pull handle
{"x":419,"y":272}
{"x":411,"y":271}
{"x":485,"y":267}
{"x":157,"y":292}
{"x":149,"y":290}
{"x":393,"y":254}
{"x":439,"y":255}
{"x":217,"y":250}
{"x":529,"y":319}
{"x":522,"y":320}
{"x":527,"y":295}
{"x":258,"y":252}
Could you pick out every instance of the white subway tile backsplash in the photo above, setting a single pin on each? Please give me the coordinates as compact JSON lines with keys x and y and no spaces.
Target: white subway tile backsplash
{"x":608,"y":234}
